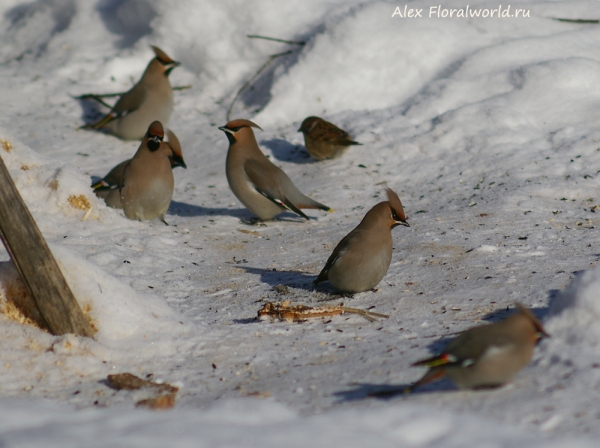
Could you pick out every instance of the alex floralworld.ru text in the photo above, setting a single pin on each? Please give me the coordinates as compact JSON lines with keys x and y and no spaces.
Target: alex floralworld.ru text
{"x":443,"y":13}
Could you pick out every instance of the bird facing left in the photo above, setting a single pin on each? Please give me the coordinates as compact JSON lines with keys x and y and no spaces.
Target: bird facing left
{"x":263,"y":188}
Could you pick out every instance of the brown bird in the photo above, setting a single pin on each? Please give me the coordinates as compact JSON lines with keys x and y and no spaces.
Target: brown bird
{"x":149,"y":100}
{"x":362,"y":258}
{"x":108,"y":187}
{"x":324,"y":140}
{"x":148,"y":184}
{"x":487,"y":355}
{"x":262,"y":187}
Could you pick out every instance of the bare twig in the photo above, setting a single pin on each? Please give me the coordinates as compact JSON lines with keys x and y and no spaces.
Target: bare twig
{"x":98,"y":96}
{"x":95,"y":96}
{"x":260,"y":70}
{"x":291,"y":42}
{"x":369,"y":315}
{"x":579,"y":21}
{"x":91,"y":96}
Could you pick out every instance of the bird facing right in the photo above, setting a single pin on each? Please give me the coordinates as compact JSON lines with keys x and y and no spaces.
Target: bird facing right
{"x":324,"y":140}
{"x":362,"y":258}
{"x":487,"y":355}
{"x":149,"y":100}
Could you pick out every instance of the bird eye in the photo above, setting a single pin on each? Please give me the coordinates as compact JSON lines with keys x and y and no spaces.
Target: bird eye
{"x":395,"y":216}
{"x":237,"y":128}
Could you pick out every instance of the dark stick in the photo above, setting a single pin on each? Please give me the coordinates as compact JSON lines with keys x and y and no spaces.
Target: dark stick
{"x":36,"y":264}
{"x":292,"y":42}
{"x":91,"y":96}
{"x":98,"y":96}
{"x":260,"y":70}
{"x":580,"y":21}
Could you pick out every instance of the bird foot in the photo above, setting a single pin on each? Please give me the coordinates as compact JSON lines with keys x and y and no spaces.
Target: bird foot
{"x":253,"y":222}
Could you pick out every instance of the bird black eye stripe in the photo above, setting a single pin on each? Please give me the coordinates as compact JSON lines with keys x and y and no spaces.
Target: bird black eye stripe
{"x":154,"y":143}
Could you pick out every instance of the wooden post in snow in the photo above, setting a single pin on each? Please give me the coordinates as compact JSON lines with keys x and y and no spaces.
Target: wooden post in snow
{"x":36,"y":264}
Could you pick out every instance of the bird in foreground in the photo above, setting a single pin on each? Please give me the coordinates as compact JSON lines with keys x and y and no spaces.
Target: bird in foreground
{"x":324,"y":140}
{"x":149,"y":100}
{"x":486,"y":355}
{"x":362,"y":258}
{"x":108,"y":188}
{"x":148,"y":183}
{"x":262,"y":187}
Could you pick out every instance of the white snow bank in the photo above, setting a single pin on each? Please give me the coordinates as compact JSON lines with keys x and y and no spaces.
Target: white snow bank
{"x":118,"y":310}
{"x":575,"y":312}
{"x":48,"y":188}
{"x":254,"y":423}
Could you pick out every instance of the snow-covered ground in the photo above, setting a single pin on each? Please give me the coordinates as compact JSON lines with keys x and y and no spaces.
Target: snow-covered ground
{"x":488,"y":129}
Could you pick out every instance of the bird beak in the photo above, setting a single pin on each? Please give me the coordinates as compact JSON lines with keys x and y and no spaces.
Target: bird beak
{"x":171,"y":67}
{"x":543,"y":334}
{"x":226,"y":129}
{"x":401,"y":223}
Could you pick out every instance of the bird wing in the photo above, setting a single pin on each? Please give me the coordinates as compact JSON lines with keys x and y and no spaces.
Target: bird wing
{"x":339,"y":250}
{"x":331,"y":134}
{"x":470,"y":346}
{"x":263,"y":177}
{"x":130,"y":100}
{"x":122,"y":182}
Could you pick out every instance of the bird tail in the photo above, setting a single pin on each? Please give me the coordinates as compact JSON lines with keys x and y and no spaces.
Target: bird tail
{"x":322,"y":277}
{"x":100,"y":123}
{"x":431,"y":376}
{"x":316,"y":205}
{"x":100,"y":184}
{"x":436,"y":361}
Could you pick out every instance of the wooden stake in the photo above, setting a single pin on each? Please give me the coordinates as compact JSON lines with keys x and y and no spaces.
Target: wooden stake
{"x":36,"y":264}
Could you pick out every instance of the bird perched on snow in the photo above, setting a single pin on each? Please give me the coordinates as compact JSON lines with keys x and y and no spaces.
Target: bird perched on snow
{"x":149,"y":100}
{"x":487,"y":355}
{"x":108,"y":187}
{"x":261,"y":186}
{"x":324,"y":140}
{"x":362,"y":258}
{"x":147,"y":185}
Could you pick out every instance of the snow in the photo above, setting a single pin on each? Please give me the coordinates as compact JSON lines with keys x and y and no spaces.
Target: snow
{"x":486,"y":128}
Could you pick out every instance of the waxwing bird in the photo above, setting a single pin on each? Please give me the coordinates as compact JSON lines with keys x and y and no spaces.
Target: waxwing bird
{"x":362,"y":258}
{"x":108,"y":187}
{"x":148,"y":183}
{"x":262,"y":187}
{"x":149,"y":100}
{"x":324,"y":140}
{"x":486,"y":355}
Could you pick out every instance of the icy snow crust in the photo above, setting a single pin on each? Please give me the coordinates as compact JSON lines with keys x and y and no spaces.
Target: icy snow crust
{"x":486,"y":128}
